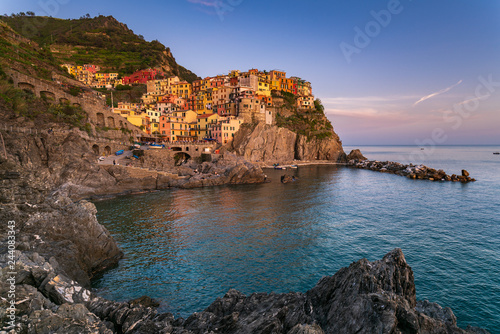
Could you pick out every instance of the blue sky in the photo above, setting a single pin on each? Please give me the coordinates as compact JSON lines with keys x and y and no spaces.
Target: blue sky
{"x":370,"y":62}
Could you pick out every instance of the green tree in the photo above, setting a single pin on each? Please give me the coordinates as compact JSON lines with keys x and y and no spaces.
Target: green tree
{"x":319,"y":106}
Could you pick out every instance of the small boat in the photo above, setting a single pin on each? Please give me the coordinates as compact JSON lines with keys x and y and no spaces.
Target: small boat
{"x":496,"y":152}
{"x":137,"y":146}
{"x":279,"y":167}
{"x":156,"y":146}
{"x":120,"y":152}
{"x":294,"y":166}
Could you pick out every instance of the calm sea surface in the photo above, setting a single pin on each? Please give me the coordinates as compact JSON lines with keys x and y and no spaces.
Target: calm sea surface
{"x":188,"y":247}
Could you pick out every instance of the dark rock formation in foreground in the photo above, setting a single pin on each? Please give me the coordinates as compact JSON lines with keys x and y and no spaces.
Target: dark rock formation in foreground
{"x":366,"y":297}
{"x":416,"y":172}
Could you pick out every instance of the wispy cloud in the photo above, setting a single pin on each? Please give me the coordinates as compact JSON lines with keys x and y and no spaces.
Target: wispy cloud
{"x":474,"y":99}
{"x":437,"y":93}
{"x":207,"y":3}
{"x":366,"y":105}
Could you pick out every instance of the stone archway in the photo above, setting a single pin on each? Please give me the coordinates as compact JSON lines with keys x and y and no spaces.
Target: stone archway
{"x":121,"y":124}
{"x":95,"y":148}
{"x":180,"y":158}
{"x":64,"y":100}
{"x":47,"y":95}
{"x":176,"y":149}
{"x":111,"y":122}
{"x":100,"y":120}
{"x":26,"y":87}
{"x":107,"y":150}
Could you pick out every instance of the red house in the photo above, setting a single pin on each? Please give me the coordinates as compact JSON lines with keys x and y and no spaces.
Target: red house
{"x":141,"y":77}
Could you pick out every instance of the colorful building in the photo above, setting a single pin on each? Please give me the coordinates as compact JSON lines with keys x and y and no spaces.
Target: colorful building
{"x":223,"y":131}
{"x":183,"y":125}
{"x":305,"y":102}
{"x":141,"y":77}
{"x":204,"y":122}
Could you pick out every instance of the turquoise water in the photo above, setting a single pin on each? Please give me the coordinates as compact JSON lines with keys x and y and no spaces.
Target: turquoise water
{"x":188,"y":247}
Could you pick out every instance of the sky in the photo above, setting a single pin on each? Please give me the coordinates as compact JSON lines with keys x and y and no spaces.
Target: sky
{"x":389,"y":72}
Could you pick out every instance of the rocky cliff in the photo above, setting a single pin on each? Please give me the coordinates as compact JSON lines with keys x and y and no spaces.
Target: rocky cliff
{"x":273,"y":144}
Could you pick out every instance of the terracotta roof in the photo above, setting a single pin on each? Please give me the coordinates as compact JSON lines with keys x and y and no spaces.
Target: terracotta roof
{"x":205,"y":116}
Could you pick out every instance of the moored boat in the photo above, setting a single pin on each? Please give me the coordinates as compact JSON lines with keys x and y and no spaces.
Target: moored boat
{"x":120,"y":152}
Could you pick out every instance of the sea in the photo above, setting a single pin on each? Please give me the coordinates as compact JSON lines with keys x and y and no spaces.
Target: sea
{"x":186,"y":247}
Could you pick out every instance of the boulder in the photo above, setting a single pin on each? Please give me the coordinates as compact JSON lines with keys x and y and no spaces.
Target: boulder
{"x":355,"y":155}
{"x":287,"y":178}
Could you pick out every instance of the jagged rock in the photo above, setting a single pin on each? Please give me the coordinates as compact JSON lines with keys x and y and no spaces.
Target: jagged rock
{"x":306,"y":329}
{"x":71,"y":234}
{"x":366,"y":297}
{"x":465,"y":173}
{"x":355,"y":155}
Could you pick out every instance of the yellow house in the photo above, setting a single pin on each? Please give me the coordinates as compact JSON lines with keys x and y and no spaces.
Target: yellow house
{"x":204,"y":102}
{"x":182,"y":89}
{"x":234,"y":73}
{"x":204,"y":123}
{"x":264,"y":87}
{"x":183,"y":125}
{"x":275,"y":84}
{"x":137,"y":118}
{"x":154,"y":115}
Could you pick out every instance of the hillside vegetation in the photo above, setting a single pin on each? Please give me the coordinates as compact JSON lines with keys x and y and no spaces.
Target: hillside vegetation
{"x":25,"y":56}
{"x":101,"y":40}
{"x":311,"y":123}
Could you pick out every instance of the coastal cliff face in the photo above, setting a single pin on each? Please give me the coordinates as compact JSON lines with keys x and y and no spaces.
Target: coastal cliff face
{"x":273,"y":144}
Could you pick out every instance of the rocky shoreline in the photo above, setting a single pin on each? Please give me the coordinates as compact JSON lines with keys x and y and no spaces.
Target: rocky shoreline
{"x":366,"y":297}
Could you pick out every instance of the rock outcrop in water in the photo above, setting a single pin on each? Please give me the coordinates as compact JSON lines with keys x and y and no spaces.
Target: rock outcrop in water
{"x":416,"y":172}
{"x":272,"y":144}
